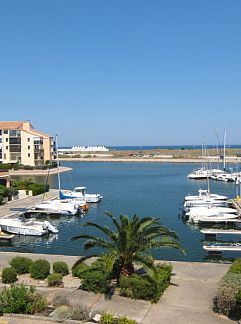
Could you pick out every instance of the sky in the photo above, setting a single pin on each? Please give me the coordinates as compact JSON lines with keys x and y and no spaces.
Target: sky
{"x":129,"y":72}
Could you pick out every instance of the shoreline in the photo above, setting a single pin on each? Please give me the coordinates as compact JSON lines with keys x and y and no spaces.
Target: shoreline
{"x":146,"y":160}
{"x":23,"y":172}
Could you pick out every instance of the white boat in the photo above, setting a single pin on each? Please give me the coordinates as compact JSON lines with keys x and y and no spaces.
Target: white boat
{"x":205,"y":202}
{"x":213,"y":218}
{"x":79,"y":193}
{"x":210,"y":210}
{"x":205,"y":194}
{"x":27,"y":227}
{"x":60,"y":206}
{"x":199,"y":174}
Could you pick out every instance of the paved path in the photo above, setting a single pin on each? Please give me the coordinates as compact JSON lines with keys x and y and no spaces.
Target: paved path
{"x":12,"y":207}
{"x":187,"y":300}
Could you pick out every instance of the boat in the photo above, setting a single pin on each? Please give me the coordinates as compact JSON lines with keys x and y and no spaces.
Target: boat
{"x":60,"y":206}
{"x":210,"y":210}
{"x":213,"y":218}
{"x":206,"y":202}
{"x":199,"y":174}
{"x":79,"y":192}
{"x":4,"y":237}
{"x":23,"y":226}
{"x":204,"y":194}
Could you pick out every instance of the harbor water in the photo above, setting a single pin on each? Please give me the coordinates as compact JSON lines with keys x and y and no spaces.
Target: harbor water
{"x":145,"y":189}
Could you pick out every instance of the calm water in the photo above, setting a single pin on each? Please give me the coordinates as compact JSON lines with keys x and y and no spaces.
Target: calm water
{"x":147,"y":189}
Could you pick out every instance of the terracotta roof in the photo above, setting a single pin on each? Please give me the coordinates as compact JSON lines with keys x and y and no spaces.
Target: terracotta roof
{"x":18,"y":125}
{"x":11,"y":125}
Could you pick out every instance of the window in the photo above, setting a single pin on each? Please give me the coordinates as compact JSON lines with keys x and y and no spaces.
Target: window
{"x":28,"y":147}
{"x":6,"y":139}
{"x":6,"y":147}
{"x":28,"y":139}
{"x":0,"y":132}
{"x":28,"y":154}
{"x":5,"y":131}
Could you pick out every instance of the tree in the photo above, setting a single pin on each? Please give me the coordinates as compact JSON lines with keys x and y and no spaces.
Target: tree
{"x":131,"y":243}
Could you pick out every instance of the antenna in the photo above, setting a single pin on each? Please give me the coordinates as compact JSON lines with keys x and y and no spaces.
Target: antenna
{"x":57,"y":155}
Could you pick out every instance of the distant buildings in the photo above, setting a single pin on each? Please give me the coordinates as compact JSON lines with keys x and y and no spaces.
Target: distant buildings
{"x":21,"y":143}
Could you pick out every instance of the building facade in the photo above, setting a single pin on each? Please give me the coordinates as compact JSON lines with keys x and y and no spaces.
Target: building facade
{"x":21,"y":143}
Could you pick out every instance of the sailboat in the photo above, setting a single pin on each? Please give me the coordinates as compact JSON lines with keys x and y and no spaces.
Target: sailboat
{"x":63,"y":207}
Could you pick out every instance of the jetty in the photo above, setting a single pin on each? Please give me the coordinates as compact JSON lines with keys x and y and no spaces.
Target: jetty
{"x":14,"y":207}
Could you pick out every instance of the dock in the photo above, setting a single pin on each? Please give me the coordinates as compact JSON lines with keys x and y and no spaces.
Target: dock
{"x":236,"y":204}
{"x":14,"y":207}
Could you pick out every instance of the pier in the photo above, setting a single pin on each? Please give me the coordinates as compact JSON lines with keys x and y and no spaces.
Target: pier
{"x":13,"y":207}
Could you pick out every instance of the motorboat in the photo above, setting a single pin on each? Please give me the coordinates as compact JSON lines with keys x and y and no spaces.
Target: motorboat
{"x":82,"y":204}
{"x":210,"y":210}
{"x":23,"y":226}
{"x":205,"y":194}
{"x":63,"y":207}
{"x":79,"y":193}
{"x":205,"y":202}
{"x":213,"y":218}
{"x":199,"y":174}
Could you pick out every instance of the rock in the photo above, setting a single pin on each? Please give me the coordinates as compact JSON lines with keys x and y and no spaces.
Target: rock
{"x":96,"y":318}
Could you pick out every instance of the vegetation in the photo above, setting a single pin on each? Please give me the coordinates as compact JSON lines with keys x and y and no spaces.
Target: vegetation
{"x":21,"y":300}
{"x":39,"y":269}
{"x":55,"y":279}
{"x":228,"y":298}
{"x":107,"y":318}
{"x":78,"y":269}
{"x":21,"y":264}
{"x":131,"y":243}
{"x":9,"y":275}
{"x":61,"y":267}
{"x":28,"y":184}
{"x":7,"y":192}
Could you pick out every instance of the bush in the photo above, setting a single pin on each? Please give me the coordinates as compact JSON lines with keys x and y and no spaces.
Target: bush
{"x":125,"y":320}
{"x":107,"y":319}
{"x":21,"y":264}
{"x":79,"y":269}
{"x":80,"y":313}
{"x":95,"y":281}
{"x":9,"y":275}
{"x":21,"y":300}
{"x":228,"y":289}
{"x":39,"y":269}
{"x":235,"y":267}
{"x":55,"y":279}
{"x":61,"y":267}
{"x":138,"y":287}
{"x":60,"y":300}
{"x":38,"y":188}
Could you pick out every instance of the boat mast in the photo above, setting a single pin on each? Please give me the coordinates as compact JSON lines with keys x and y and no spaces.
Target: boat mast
{"x":57,"y":156}
{"x":224,"y":149}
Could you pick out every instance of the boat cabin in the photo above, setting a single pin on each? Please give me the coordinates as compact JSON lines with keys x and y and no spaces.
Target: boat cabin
{"x":80,"y":190}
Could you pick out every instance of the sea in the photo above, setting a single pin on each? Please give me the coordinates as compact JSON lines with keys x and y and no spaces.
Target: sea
{"x":145,"y":189}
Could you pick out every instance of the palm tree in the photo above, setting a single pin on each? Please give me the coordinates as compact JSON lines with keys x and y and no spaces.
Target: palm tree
{"x":131,"y":242}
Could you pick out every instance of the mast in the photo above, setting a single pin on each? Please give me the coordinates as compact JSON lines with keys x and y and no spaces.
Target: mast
{"x":57,"y":156}
{"x":224,"y":149}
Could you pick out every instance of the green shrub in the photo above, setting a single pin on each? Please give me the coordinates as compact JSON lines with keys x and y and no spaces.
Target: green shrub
{"x":235,"y":266}
{"x":39,"y":269}
{"x":55,"y":279}
{"x":228,"y":289}
{"x":9,"y":275}
{"x":107,"y":319}
{"x":125,"y":320}
{"x":79,"y":269}
{"x":1,"y":199}
{"x":21,"y":264}
{"x":21,"y":300}
{"x":61,"y":267}
{"x":138,"y":287}
{"x":38,"y":188}
{"x":95,"y":281}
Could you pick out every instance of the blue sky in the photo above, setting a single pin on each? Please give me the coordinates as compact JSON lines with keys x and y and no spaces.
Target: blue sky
{"x":127,"y":72}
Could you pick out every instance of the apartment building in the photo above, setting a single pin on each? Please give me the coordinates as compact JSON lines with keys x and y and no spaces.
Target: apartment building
{"x":21,"y":143}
